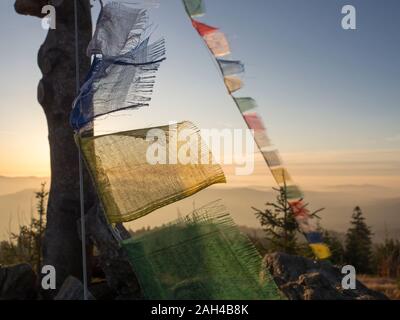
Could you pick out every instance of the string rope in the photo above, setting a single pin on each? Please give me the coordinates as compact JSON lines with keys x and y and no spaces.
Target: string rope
{"x":81,"y":193}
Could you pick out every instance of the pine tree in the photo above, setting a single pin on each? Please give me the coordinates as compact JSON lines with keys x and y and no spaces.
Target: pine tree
{"x":335,"y":246}
{"x":38,"y":224}
{"x":280,"y":226}
{"x":358,"y":252}
{"x":25,"y":246}
{"x":387,"y":258}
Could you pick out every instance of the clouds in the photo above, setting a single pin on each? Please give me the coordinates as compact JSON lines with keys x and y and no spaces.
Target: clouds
{"x":395,"y":138}
{"x":318,"y":170}
{"x":358,"y":162}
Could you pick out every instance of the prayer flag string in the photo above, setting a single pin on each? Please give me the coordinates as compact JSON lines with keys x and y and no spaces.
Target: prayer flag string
{"x":218,"y":44}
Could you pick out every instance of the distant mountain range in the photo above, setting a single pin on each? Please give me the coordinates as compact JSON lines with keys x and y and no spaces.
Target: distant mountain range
{"x":9,"y":185}
{"x":17,"y":202}
{"x":382,"y":214}
{"x":15,"y":210}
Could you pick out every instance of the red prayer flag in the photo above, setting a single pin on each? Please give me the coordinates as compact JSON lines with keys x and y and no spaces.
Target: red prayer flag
{"x":203,"y":29}
{"x":299,"y":209}
{"x":254,"y":121}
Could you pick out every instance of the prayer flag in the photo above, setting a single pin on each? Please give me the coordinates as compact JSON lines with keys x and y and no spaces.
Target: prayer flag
{"x":245,"y":104}
{"x":217,"y":43}
{"x":123,"y":78}
{"x":254,"y":121}
{"x":203,"y":256}
{"x":305,"y":225}
{"x":119,"y":83}
{"x":118,"y":30}
{"x":233,"y":83}
{"x":230,"y":67}
{"x":202,"y":28}
{"x":299,"y":208}
{"x":194,"y":8}
{"x":293,"y":192}
{"x":281,"y":176}
{"x":314,"y":237}
{"x":272,"y":158}
{"x":320,"y":250}
{"x":135,"y":173}
{"x":261,"y":138}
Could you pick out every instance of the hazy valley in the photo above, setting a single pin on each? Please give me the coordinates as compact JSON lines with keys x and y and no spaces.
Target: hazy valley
{"x":17,"y":202}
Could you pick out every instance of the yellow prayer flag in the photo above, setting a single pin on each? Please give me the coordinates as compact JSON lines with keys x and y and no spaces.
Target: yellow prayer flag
{"x":320,"y":250}
{"x":233,"y":83}
{"x":136,"y":172}
{"x":281,"y":175}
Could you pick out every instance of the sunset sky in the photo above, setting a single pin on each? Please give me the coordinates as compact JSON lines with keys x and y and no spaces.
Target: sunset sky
{"x":329,"y":97}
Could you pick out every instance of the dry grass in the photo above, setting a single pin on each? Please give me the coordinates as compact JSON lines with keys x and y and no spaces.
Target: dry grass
{"x":388,"y":286}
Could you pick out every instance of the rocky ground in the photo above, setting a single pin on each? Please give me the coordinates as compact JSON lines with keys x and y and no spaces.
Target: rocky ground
{"x":388,"y":286}
{"x":300,"y":278}
{"x":297,"y":277}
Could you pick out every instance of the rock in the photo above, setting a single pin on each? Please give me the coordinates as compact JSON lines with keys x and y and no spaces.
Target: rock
{"x":102,"y":291}
{"x":18,"y":282}
{"x":72,"y":289}
{"x":112,"y":259}
{"x":301,"y":278}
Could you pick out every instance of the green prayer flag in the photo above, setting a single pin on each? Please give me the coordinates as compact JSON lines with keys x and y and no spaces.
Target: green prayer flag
{"x":245,"y":104}
{"x":293,"y":192}
{"x":194,"y":8}
{"x":202,"y":256}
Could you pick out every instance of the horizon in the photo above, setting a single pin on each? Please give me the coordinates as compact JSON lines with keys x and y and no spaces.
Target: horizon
{"x":378,"y":209}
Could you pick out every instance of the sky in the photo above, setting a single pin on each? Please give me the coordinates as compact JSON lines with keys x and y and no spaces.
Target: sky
{"x":329,"y":97}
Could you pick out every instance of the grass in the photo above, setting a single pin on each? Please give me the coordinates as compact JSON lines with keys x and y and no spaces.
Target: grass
{"x":388,"y":286}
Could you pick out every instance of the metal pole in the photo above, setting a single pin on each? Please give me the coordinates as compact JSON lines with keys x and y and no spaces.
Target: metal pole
{"x":82,"y":200}
{"x":83,"y":229}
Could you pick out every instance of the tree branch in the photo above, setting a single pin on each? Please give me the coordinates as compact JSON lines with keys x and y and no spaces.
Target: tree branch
{"x":33,"y":7}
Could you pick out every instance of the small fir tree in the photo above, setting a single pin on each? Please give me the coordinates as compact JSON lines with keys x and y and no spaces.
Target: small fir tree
{"x":280,"y":225}
{"x":358,"y":244}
